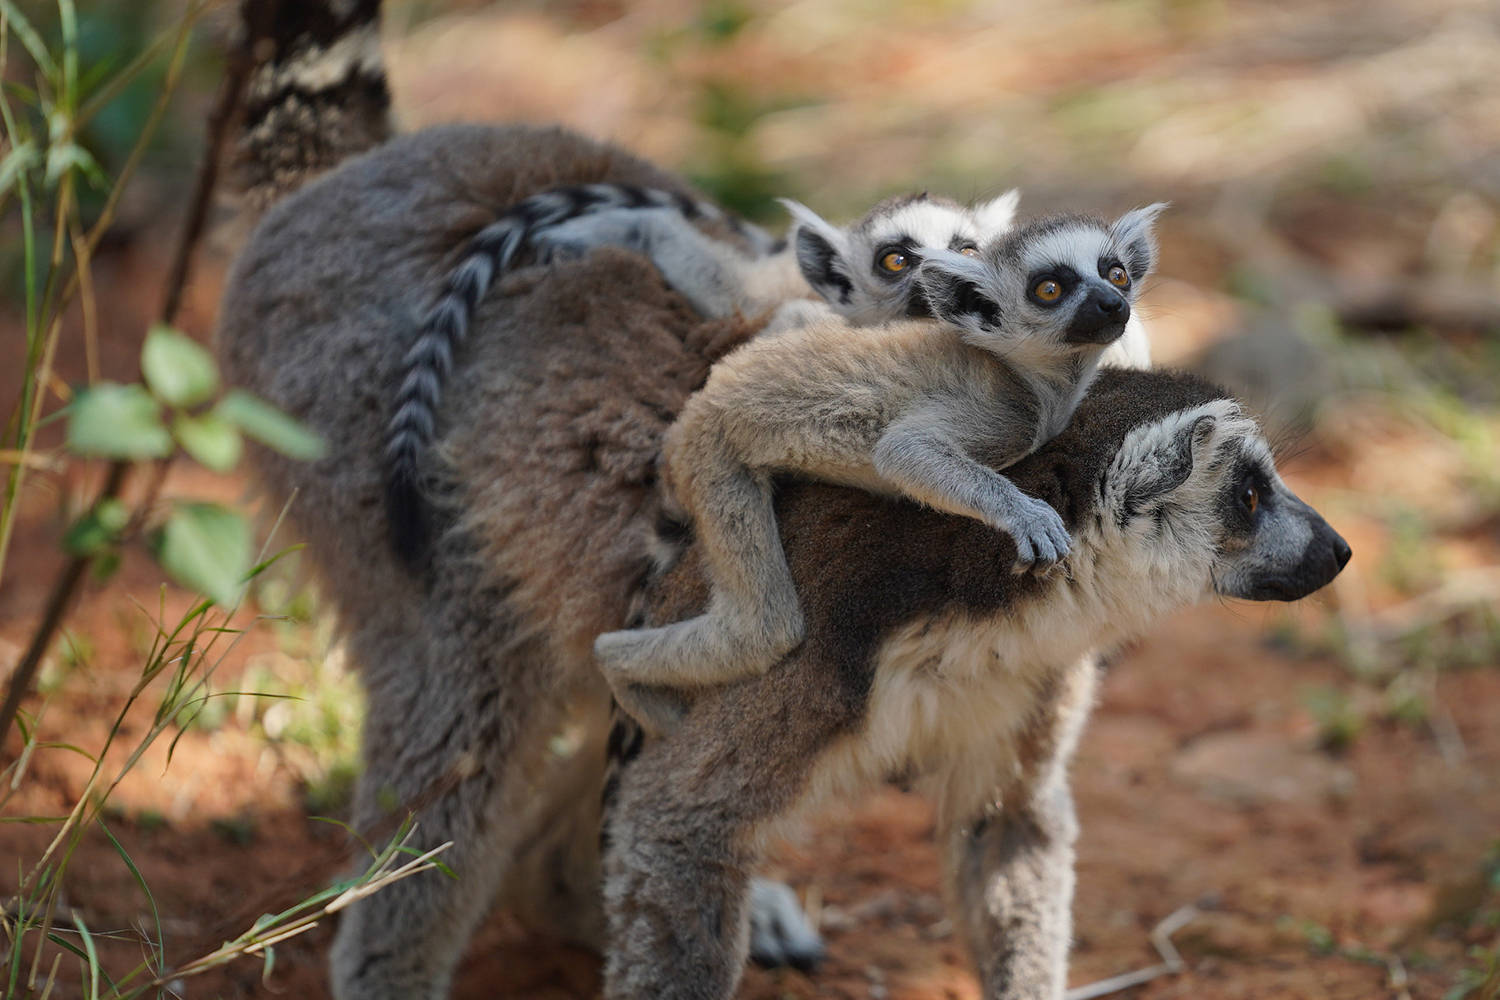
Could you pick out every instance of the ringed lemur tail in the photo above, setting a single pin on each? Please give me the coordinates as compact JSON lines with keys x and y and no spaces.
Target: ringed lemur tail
{"x":425,"y":368}
{"x":316,"y":92}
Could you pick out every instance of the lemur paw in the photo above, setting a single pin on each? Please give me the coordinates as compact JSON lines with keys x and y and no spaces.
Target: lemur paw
{"x":1041,"y":537}
{"x":780,"y":933}
{"x":618,"y":652}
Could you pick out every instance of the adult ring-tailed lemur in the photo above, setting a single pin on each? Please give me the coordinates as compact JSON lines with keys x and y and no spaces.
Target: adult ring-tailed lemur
{"x":479,"y":659}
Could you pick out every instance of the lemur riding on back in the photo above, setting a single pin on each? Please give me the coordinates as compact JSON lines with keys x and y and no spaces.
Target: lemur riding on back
{"x":864,"y":273}
{"x":927,"y":410}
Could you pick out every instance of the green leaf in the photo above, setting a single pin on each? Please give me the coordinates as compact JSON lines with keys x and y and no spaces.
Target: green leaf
{"x":117,"y":421}
{"x":71,"y":156}
{"x":179,"y":371}
{"x":140,"y":880}
{"x":93,"y":955}
{"x":16,"y":161}
{"x":97,"y":529}
{"x":206,"y":547}
{"x":29,"y":38}
{"x":270,"y":426}
{"x":106,"y":564}
{"x":210,"y":439}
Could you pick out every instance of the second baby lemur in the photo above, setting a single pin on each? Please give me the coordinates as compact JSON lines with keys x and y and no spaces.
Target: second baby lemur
{"x":923,"y":409}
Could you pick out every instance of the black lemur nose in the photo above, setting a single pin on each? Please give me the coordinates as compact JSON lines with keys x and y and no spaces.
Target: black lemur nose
{"x":1110,"y":304}
{"x":1341,"y":551}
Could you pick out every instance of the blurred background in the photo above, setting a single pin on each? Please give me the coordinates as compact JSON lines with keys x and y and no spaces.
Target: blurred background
{"x":1321,"y":781}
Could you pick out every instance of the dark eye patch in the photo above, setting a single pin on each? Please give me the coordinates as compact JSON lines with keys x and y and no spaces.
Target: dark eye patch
{"x":1064,"y":275}
{"x":961,"y":243}
{"x":906,"y":247}
{"x":1247,"y":472}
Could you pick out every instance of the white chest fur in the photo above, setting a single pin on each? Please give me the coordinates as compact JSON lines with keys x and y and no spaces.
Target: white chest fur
{"x":953,"y":697}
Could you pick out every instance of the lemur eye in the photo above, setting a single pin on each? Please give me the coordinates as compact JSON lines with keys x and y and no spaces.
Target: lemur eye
{"x":1047,"y":290}
{"x":969,"y":251}
{"x":1118,"y":277}
{"x":894,"y":261}
{"x":1249,"y":497}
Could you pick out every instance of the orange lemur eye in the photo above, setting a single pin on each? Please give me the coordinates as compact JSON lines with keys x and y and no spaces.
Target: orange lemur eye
{"x":1118,"y":277}
{"x":970,"y":251}
{"x":1047,"y":290}
{"x":894,"y":261}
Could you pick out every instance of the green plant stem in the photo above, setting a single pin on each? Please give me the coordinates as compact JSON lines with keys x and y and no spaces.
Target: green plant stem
{"x":52,"y":321}
{"x":58,"y":603}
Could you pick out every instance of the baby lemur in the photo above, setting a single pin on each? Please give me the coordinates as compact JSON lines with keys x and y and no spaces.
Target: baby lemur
{"x":864,"y":273}
{"x":923,"y":409}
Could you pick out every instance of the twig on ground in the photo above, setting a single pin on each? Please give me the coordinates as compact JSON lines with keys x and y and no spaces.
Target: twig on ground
{"x":1171,"y":960}
{"x":1450,"y":741}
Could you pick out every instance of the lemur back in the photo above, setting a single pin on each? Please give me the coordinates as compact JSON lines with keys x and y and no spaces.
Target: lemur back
{"x":492,"y":252}
{"x":716,"y":278}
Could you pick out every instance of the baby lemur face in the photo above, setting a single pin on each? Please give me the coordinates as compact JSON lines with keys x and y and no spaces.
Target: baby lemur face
{"x":867,"y":271}
{"x":1062,"y":285}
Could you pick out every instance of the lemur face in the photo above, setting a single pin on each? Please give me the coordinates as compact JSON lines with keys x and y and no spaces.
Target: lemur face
{"x":868,"y":272}
{"x":1197,"y":494}
{"x":1060,"y":285}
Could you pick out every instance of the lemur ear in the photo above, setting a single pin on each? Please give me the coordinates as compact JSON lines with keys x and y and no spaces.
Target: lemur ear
{"x":956,"y":288}
{"x":1170,"y":465}
{"x":996,"y":216}
{"x":1134,"y":236}
{"x":822,"y":254}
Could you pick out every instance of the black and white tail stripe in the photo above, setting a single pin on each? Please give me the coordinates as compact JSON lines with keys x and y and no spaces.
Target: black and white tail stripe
{"x":490,"y":253}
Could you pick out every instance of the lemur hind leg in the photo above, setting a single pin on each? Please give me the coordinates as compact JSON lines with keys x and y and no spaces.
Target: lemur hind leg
{"x":684,"y":838}
{"x":781,"y":935}
{"x":1010,"y":873}
{"x":754,"y":617}
{"x":448,"y":741}
{"x":1013,"y":876}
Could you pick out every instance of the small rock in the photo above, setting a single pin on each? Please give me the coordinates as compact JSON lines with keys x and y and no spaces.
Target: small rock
{"x":1257,"y":768}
